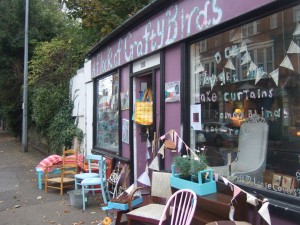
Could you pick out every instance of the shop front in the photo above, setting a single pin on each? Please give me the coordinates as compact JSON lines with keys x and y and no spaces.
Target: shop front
{"x":224,"y":76}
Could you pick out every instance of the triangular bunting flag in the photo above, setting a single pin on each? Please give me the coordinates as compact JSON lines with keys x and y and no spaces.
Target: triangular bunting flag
{"x":275,"y":76}
{"x":154,"y":165}
{"x":236,"y":37}
{"x":246,"y":58}
{"x":221,"y":77}
{"x":200,"y":68}
{"x":294,"y":48}
{"x":264,"y":212}
{"x":216,"y":176}
{"x":162,"y":151}
{"x":147,"y":154}
{"x":287,"y":63}
{"x":259,"y":74}
{"x":229,"y":65}
{"x":148,"y":143}
{"x":144,"y":179}
{"x":243,"y":47}
{"x":297,"y":30}
{"x":252,"y":68}
{"x":225,"y":180}
{"x":251,"y":199}
{"x":179,"y":144}
{"x":213,"y":81}
{"x":162,"y":137}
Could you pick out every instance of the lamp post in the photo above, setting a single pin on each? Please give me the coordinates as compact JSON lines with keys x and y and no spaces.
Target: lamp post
{"x":25,"y":98}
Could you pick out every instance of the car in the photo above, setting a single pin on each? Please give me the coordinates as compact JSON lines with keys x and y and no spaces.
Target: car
{"x":221,"y":134}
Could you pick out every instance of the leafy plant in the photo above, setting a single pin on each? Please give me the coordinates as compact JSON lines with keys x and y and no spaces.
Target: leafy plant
{"x":198,"y":163}
{"x":63,"y":129}
{"x":183,"y":164}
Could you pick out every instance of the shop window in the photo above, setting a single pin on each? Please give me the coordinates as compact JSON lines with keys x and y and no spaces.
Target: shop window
{"x":107,"y":119}
{"x":246,"y":92}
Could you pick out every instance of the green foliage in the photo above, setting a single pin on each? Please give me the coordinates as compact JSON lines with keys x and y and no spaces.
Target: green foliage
{"x":198,"y":163}
{"x":63,"y":129}
{"x":103,"y":15}
{"x":183,"y":164}
{"x":45,"y":22}
{"x":46,"y":102}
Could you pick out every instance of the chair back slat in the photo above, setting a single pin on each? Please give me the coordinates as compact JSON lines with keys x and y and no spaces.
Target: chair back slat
{"x":180,"y":208}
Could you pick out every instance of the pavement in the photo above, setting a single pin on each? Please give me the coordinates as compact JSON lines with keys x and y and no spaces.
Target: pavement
{"x":22,"y":203}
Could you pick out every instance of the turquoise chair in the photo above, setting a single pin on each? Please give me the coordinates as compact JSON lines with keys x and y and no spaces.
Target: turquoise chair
{"x":90,"y":174}
{"x":96,"y":183}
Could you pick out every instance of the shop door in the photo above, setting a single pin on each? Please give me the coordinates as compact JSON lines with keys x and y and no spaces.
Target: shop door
{"x":143,"y":136}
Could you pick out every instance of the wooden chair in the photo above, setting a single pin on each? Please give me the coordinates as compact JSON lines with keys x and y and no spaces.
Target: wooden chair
{"x":68,"y":169}
{"x":181,"y":206}
{"x":96,"y":183}
{"x":91,"y":165}
{"x":160,"y":192}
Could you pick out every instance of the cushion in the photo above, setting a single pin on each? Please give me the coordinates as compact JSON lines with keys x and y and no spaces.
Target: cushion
{"x":151,"y":211}
{"x":49,"y":161}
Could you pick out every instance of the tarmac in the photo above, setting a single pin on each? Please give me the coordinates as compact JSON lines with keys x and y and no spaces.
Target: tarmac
{"x":22,"y":203}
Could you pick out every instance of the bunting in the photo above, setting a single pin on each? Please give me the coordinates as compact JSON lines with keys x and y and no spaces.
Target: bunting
{"x":229,"y":65}
{"x":275,"y":76}
{"x":294,"y":48}
{"x":287,"y":63}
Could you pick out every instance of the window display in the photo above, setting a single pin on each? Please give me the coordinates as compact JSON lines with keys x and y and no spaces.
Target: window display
{"x":247,"y":86}
{"x":107,"y":113}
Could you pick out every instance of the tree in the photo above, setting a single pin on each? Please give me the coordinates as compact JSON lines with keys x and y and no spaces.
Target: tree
{"x":44,"y":23}
{"x":103,"y":15}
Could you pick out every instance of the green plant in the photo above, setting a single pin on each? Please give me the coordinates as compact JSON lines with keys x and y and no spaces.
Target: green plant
{"x":63,"y":129}
{"x":198,"y":163}
{"x":182,"y":163}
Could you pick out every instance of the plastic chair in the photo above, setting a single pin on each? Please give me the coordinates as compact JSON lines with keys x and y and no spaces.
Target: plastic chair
{"x":96,"y":183}
{"x":68,"y":170}
{"x":181,"y":206}
{"x":90,"y":174}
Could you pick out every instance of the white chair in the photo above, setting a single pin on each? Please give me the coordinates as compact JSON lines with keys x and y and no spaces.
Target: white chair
{"x":90,"y":174}
{"x":96,"y":183}
{"x":252,"y":150}
{"x":180,"y":208}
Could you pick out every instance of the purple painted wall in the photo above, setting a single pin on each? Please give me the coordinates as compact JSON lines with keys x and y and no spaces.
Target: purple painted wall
{"x":181,"y":20}
{"x":125,"y":113}
{"x":172,"y":109}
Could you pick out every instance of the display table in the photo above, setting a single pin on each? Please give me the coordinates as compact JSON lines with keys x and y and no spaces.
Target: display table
{"x":216,"y":206}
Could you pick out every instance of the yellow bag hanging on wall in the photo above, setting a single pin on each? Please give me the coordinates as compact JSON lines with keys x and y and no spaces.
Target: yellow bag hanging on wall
{"x":144,"y":110}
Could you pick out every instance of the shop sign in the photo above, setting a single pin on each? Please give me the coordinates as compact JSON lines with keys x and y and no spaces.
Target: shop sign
{"x":177,"y":22}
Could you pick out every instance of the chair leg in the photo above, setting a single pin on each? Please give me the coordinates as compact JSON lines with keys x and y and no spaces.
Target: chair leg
{"x":103,"y":194}
{"x":83,"y":197}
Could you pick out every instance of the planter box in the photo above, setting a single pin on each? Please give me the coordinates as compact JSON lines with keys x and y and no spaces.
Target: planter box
{"x":201,"y":188}
{"x":116,"y":205}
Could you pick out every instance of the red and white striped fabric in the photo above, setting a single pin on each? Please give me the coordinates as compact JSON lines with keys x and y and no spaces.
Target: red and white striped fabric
{"x":49,"y":161}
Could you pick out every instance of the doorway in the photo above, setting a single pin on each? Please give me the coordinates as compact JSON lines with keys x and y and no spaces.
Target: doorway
{"x":143,"y":146}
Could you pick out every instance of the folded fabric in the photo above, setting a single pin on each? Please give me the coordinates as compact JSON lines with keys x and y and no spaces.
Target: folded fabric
{"x":49,"y":161}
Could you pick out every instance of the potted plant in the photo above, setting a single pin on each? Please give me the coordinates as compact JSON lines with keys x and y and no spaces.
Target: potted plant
{"x":188,"y":172}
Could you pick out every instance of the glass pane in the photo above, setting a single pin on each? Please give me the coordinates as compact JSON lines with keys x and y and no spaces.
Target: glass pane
{"x":107,"y":113}
{"x":247,"y":92}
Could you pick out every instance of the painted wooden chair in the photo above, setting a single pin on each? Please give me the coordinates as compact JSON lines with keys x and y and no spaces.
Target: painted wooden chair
{"x":153,"y":206}
{"x":180,"y":208}
{"x":90,"y":168}
{"x":68,"y":169}
{"x":96,"y":183}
